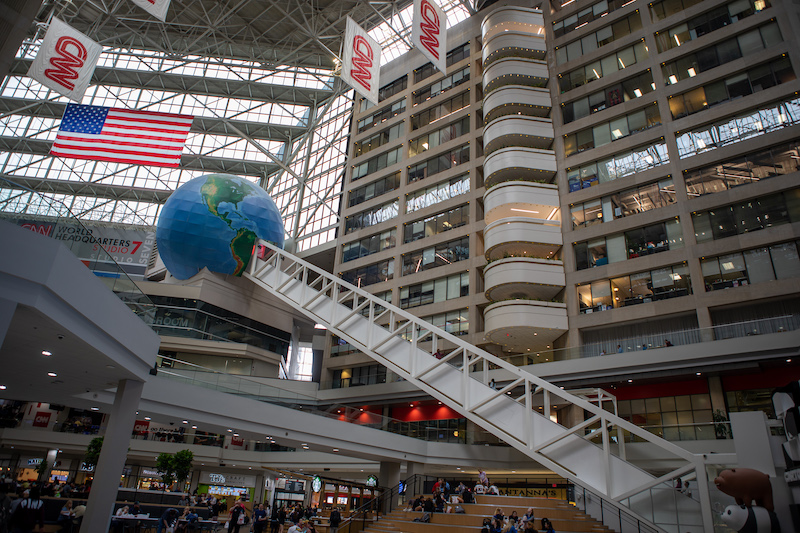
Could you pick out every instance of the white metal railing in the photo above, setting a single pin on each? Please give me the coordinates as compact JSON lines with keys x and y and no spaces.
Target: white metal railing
{"x":585,"y":453}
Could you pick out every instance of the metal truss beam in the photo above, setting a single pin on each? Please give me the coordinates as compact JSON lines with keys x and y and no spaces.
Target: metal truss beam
{"x":94,"y":189}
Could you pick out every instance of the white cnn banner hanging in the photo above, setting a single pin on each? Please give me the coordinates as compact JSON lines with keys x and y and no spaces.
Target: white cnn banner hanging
{"x":66,"y":60}
{"x":157,"y":8}
{"x":429,"y":32}
{"x":361,"y":61}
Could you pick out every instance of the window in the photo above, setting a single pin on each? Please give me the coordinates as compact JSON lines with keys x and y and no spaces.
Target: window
{"x":634,"y":243}
{"x":674,"y":418}
{"x":436,"y":256}
{"x":436,"y":224}
{"x":438,"y":112}
{"x":374,"y":189}
{"x":634,"y":289}
{"x":666,"y":8}
{"x":453,"y":322}
{"x":379,"y":139}
{"x":603,"y":67}
{"x":438,"y":164}
{"x":778,"y":261}
{"x":776,"y":161}
{"x":745,"y":217}
{"x":360,"y":375}
{"x":435,"y":291}
{"x":369,"y":245}
{"x":453,"y":56}
{"x":587,"y":15}
{"x":440,"y":136}
{"x":708,"y":22}
{"x":623,"y":204}
{"x":606,"y":132}
{"x":441,"y":86}
{"x":376,"y":163}
{"x":745,"y":126}
{"x":367,"y":275}
{"x":601,"y":37}
{"x":382,"y":116}
{"x":635,"y":87}
{"x":617,"y":166}
{"x":371,"y":217}
{"x":438,"y":193}
{"x":754,"y":80}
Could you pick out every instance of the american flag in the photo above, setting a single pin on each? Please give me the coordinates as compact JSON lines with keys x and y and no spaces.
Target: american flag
{"x":122,"y":135}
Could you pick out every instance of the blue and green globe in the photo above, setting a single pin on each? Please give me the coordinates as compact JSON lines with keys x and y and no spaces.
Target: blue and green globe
{"x":213,"y":221}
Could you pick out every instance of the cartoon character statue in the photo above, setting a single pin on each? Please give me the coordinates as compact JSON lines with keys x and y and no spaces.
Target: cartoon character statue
{"x":750,"y":519}
{"x":746,"y":485}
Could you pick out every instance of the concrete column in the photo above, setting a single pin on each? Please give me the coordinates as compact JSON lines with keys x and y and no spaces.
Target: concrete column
{"x":52,"y":456}
{"x":294,"y":348}
{"x":112,"y":457}
{"x":414,"y":488}
{"x":717,"y":394}
{"x":389,"y":477}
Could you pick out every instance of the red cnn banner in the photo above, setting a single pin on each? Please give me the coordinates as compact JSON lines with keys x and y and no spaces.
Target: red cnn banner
{"x":42,"y":419}
{"x":66,"y":60}
{"x":429,"y":32}
{"x":361,"y":61}
{"x":141,"y":427}
{"x":157,"y":8}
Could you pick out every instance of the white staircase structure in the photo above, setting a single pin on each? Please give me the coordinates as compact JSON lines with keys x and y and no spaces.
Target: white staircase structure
{"x":591,"y":453}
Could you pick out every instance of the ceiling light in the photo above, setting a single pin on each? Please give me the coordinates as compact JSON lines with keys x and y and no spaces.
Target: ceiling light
{"x":336,"y":449}
{"x":147,"y":418}
{"x":185,"y":421}
{"x":692,"y":72}
{"x":45,"y":352}
{"x":3,"y":387}
{"x":630,"y":381}
{"x":95,"y":408}
{"x":699,"y":374}
{"x":230,"y":431}
{"x":194,"y":427}
{"x":525,"y":211}
{"x":638,"y":93}
{"x":52,"y":374}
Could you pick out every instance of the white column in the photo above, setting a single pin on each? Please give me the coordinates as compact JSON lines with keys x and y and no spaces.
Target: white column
{"x":112,"y":457}
{"x":51,"y":458}
{"x":389,"y":477}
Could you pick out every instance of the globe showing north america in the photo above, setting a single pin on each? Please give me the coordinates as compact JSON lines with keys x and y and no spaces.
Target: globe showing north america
{"x":213,"y":222}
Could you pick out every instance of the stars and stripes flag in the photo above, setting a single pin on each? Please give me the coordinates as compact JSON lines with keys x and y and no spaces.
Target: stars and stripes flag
{"x":122,"y":135}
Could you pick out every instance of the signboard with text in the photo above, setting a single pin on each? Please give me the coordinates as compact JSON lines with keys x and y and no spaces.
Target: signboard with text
{"x":361,"y":61}
{"x":429,"y":32}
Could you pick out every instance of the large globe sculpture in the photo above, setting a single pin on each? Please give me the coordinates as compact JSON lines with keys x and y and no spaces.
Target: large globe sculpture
{"x":213,"y":221}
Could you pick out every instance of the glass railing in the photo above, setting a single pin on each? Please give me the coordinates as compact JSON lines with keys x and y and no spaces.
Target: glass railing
{"x":685,"y":337}
{"x":48,"y":216}
{"x":271,"y":390}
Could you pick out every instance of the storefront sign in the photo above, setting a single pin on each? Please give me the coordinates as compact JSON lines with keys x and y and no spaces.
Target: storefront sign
{"x":86,"y":467}
{"x":228,"y":480}
{"x":147,"y":472}
{"x":42,"y":419}
{"x":35,"y":462}
{"x":556,"y":494}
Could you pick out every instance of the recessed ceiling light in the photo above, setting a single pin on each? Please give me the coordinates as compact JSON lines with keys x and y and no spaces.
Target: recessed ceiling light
{"x":230,"y":431}
{"x":185,"y":421}
{"x":147,"y":418}
{"x":194,"y":427}
{"x":52,"y":374}
{"x":3,"y":387}
{"x":336,"y":449}
{"x":699,"y":374}
{"x":95,"y":408}
{"x":630,"y":381}
{"x":235,"y":434}
{"x":788,"y":360}
{"x":45,"y":352}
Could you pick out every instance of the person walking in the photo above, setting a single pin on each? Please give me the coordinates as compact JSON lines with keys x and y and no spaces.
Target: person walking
{"x":28,"y":514}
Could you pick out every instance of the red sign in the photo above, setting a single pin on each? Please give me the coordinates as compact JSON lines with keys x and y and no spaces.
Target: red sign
{"x":42,"y":419}
{"x":431,"y":28}
{"x":237,"y":441}
{"x":362,"y":60}
{"x":141,"y":426}
{"x":41,"y":229}
{"x":71,"y":56}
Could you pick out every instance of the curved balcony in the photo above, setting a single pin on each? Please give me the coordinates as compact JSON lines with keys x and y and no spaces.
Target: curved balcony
{"x":511,"y":131}
{"x":521,"y":236}
{"x":516,"y":100}
{"x":538,"y":201}
{"x":512,"y":18}
{"x":522,"y":325}
{"x":515,"y":71}
{"x":523,"y":164}
{"x":513,"y":44}
{"x":524,"y":277}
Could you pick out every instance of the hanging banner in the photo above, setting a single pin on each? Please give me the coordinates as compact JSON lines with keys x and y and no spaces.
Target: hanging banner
{"x":157,"y":8}
{"x":66,"y":60}
{"x":429,"y":32}
{"x":361,"y":63}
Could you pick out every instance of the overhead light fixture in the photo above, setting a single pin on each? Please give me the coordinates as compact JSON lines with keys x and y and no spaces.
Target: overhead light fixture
{"x":46,"y":353}
{"x":147,"y":418}
{"x":194,"y":427}
{"x":638,"y":93}
{"x":52,"y":374}
{"x":692,"y":72}
{"x":185,"y":421}
{"x":3,"y":387}
{"x":524,"y":211}
{"x":94,"y":408}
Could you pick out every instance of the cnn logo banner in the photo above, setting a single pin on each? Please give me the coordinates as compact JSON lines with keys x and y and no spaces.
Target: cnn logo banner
{"x":157,"y":8}
{"x":361,"y":62}
{"x":429,"y":32}
{"x":66,"y":60}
